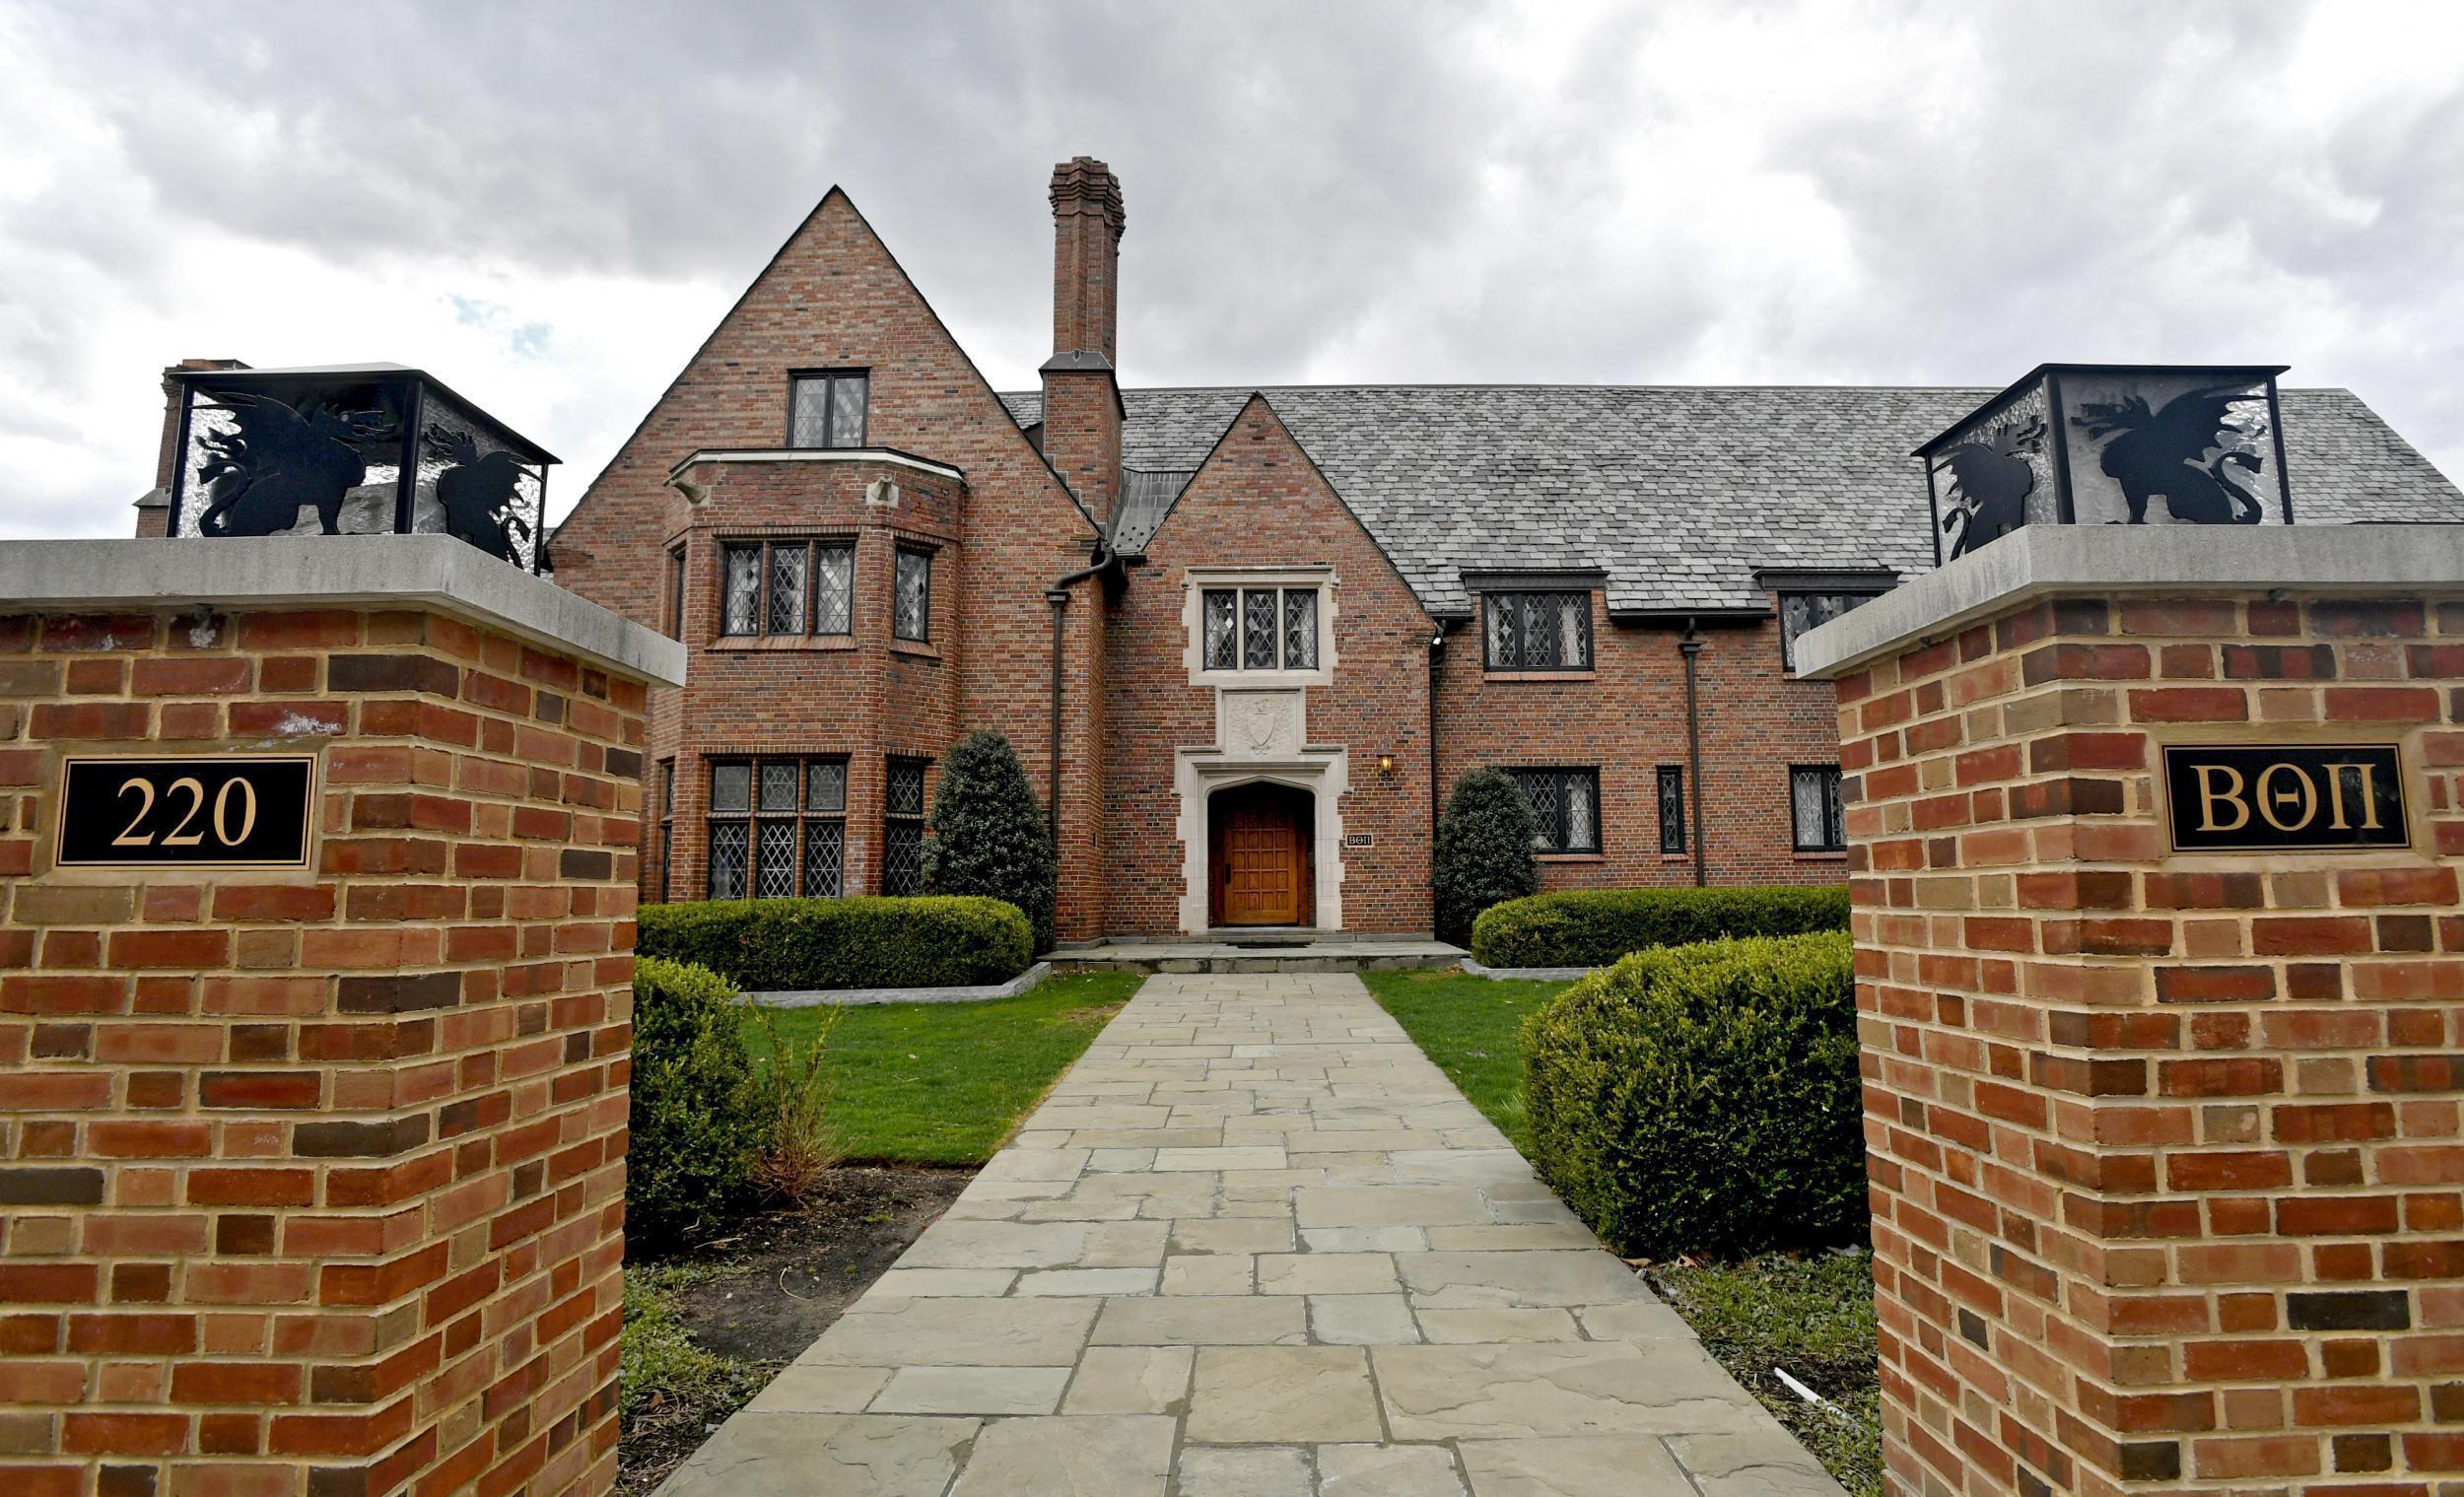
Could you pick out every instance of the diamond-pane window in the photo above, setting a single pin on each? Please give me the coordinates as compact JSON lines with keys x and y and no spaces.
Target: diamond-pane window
{"x":1565,"y":807}
{"x":902,"y":827}
{"x":786,"y":589}
{"x":1221,"y":644}
{"x":1537,"y":630}
{"x":1672,"y":808}
{"x":827,"y":409}
{"x":729,"y":859}
{"x":834,"y":589}
{"x":1815,"y":815}
{"x":742,"y":613}
{"x":1801,"y":611}
{"x":910,"y":604}
{"x":1300,"y":629}
{"x":1258,"y":630}
{"x":792,"y":803}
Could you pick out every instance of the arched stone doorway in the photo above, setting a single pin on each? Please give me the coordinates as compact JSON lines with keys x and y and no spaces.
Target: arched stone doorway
{"x":1261,"y":868}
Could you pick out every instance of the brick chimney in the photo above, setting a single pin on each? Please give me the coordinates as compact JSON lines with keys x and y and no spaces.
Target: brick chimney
{"x":1082,"y":396}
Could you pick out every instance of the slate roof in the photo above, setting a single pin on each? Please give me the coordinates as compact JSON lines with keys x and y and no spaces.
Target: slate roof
{"x":1677,"y":493}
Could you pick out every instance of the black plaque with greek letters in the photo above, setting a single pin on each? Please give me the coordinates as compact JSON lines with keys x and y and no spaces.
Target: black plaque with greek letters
{"x":234,"y":811}
{"x":2286,"y":797}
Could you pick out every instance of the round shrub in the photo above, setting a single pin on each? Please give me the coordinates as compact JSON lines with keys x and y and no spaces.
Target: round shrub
{"x":1483,"y":851}
{"x":1591,"y":927}
{"x":697,"y":1124}
{"x":989,"y":835}
{"x":769,"y":944}
{"x":1704,"y":1099}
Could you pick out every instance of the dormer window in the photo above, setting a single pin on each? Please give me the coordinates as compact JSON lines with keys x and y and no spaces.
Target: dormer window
{"x":1538,"y":631}
{"x":826,"y":408}
{"x":1801,"y":611}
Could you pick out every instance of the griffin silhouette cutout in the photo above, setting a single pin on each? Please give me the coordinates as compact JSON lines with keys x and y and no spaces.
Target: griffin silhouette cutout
{"x":1990,"y":481}
{"x":2165,"y":452}
{"x":478,"y":494}
{"x":276,"y":460}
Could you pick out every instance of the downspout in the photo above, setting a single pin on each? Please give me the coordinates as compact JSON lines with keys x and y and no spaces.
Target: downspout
{"x":1690,"y":646}
{"x":1057,"y":596}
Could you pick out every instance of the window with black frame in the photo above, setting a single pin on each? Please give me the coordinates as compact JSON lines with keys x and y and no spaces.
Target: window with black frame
{"x":778,"y":828}
{"x":1815,"y":814}
{"x":1257,"y":629}
{"x":1565,"y":806}
{"x":1801,"y":611}
{"x":1672,"y":808}
{"x":902,"y":827}
{"x":827,"y":408}
{"x":667,"y":830}
{"x":1537,"y":630}
{"x":779,"y":587}
{"x":676,"y":593}
{"x":910,"y":601}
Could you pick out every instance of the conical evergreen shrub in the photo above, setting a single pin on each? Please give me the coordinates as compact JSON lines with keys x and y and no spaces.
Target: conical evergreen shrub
{"x":1483,"y":851}
{"x":989,"y":835}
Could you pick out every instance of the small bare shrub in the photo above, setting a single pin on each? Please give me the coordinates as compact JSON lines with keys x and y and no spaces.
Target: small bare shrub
{"x":794,"y":1096}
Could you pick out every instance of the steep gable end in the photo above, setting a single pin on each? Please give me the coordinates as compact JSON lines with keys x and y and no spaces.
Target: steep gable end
{"x":833,"y":296}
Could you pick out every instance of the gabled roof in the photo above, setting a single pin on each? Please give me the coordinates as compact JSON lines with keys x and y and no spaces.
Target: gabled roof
{"x":1679,"y":494}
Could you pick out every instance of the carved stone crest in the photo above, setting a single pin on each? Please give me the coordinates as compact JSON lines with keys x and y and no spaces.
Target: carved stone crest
{"x":1262,"y":724}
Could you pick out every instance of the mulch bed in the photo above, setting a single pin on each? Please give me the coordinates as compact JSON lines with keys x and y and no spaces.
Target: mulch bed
{"x":786,"y":1276}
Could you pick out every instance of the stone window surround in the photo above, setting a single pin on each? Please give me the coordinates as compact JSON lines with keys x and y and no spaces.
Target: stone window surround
{"x":1195,"y":583}
{"x":1198,"y":773}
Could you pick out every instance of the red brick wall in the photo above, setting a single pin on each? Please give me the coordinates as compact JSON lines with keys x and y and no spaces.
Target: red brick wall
{"x":2167,"y":1185}
{"x":1627,"y":718}
{"x":1260,"y":502}
{"x":312,"y":1181}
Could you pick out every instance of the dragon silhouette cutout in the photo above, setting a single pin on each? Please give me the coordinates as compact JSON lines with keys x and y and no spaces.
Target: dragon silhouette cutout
{"x":1990,"y":481}
{"x":276,"y":460}
{"x":2165,"y":452}
{"x":478,"y":494}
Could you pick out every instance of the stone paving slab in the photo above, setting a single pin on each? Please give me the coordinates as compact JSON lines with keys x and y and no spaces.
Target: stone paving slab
{"x":1255,"y":1245}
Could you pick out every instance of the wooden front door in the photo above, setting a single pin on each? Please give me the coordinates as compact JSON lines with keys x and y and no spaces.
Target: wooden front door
{"x":1261,"y":855}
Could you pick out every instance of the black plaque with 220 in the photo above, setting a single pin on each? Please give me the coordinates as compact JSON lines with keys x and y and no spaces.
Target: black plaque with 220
{"x":2249,"y":797}
{"x":236,"y":811}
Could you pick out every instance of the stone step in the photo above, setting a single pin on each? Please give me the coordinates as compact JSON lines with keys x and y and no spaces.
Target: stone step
{"x":1252,"y":955}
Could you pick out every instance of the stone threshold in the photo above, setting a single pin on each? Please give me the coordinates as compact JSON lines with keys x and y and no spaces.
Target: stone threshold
{"x":1339,"y":954}
{"x":850,"y":997}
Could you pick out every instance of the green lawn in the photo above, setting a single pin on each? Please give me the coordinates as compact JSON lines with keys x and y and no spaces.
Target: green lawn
{"x":944,"y":1083}
{"x":1467,"y":1025}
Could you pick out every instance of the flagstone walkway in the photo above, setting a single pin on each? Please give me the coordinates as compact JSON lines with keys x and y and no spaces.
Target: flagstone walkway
{"x":1255,"y":1245}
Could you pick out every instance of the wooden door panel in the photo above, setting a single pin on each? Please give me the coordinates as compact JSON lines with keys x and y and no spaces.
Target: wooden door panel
{"x":1264,"y":865}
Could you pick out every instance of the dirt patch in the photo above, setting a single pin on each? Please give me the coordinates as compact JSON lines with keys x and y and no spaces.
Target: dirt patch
{"x":775,"y":1285}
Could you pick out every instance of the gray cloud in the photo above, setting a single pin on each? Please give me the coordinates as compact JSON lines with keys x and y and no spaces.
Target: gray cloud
{"x":560,"y":198}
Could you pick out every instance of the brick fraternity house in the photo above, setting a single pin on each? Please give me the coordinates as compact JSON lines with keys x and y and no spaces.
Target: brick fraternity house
{"x":1244,"y":638}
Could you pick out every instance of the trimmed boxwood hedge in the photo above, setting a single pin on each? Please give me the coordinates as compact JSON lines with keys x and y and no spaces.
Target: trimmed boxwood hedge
{"x":1591,"y":927}
{"x":767,"y":944}
{"x":1704,"y":1099}
{"x":696,"y":1123}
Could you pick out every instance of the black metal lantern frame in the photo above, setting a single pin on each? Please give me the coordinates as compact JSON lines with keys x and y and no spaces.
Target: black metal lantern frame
{"x":2112,"y":444}
{"x":354,"y":450}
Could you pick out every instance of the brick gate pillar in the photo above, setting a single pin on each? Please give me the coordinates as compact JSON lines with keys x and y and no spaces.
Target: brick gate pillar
{"x":312,"y":1178}
{"x":2164,"y":1145}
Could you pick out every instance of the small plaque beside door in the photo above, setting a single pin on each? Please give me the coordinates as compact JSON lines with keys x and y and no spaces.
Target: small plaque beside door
{"x":233,"y":811}
{"x":2325,"y":798}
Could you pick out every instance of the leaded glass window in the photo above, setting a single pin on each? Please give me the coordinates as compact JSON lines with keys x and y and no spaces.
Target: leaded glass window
{"x":1221,"y":645}
{"x":1801,"y":611}
{"x":833,"y":588}
{"x":667,"y":830}
{"x":778,"y":828}
{"x":787,"y":588}
{"x":1565,"y":806}
{"x":676,"y":593}
{"x":742,"y":613}
{"x":1672,"y":808}
{"x":1538,"y":631}
{"x":1259,"y":629}
{"x":911,"y":615}
{"x":828,"y":409}
{"x":902,"y":827}
{"x":1816,"y":813}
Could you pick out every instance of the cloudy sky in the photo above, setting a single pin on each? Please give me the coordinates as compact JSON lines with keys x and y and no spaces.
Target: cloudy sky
{"x":549,"y":205}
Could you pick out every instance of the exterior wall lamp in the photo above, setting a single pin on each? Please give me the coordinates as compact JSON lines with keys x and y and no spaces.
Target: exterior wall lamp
{"x":1386,"y":763}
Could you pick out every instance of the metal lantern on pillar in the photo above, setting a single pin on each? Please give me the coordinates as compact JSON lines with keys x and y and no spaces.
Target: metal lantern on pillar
{"x":2112,"y":444}
{"x":353,"y":449}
